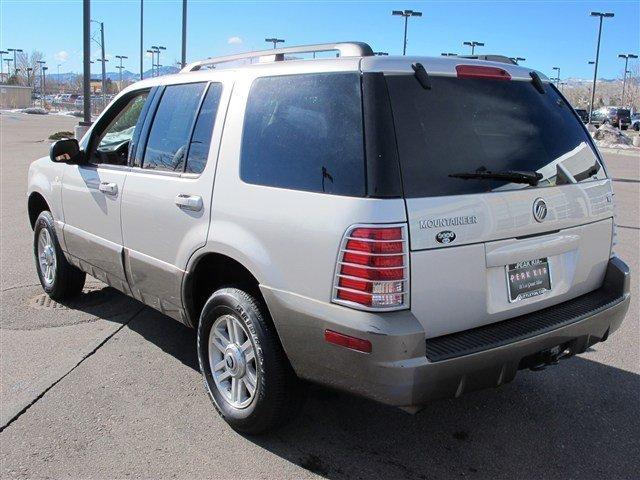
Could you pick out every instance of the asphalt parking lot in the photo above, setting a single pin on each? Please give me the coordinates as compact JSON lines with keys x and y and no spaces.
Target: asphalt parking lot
{"x":107,"y":388}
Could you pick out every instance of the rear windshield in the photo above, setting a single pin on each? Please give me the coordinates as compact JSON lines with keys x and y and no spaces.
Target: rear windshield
{"x":466,"y":125}
{"x":623,"y":112}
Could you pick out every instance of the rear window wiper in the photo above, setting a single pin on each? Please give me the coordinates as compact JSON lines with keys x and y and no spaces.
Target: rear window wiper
{"x":515,"y":176}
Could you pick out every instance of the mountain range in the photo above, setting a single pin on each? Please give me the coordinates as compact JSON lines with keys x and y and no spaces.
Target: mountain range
{"x":127,"y":76}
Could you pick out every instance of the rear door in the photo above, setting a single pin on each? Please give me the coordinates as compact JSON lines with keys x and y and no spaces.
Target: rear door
{"x":483,"y":249}
{"x":166,"y":203}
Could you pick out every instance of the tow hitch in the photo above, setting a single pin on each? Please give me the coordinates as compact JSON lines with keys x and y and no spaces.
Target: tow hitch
{"x":543,"y":359}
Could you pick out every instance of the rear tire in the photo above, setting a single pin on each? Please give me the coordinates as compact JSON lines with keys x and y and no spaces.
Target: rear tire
{"x":58,"y":278}
{"x":239,"y":351}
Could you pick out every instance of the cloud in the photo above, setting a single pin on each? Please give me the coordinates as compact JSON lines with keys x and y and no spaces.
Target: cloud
{"x":234,"y":41}
{"x":62,"y":56}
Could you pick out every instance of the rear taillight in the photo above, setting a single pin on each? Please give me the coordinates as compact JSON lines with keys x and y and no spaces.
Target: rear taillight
{"x":373,"y":268}
{"x":481,"y":71}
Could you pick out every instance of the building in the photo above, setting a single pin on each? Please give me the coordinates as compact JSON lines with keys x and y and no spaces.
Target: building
{"x":15,"y":96}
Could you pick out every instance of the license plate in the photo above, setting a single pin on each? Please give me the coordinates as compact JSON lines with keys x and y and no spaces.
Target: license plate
{"x":528,"y":279}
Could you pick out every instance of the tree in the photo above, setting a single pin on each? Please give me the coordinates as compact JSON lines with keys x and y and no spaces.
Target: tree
{"x":29,"y":61}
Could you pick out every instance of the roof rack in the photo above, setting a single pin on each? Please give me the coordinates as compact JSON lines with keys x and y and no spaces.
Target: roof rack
{"x":346,"y":49}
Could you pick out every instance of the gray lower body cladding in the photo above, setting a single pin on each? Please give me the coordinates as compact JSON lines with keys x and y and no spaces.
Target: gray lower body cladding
{"x":405,"y":370}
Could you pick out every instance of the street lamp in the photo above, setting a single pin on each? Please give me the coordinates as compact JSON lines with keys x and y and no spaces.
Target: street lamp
{"x":473,"y":44}
{"x":44,"y":83}
{"x":406,"y":14}
{"x":8,"y":62}
{"x":29,"y":70}
{"x":120,"y":67}
{"x":558,"y":76}
{"x":2,"y":54}
{"x":42,"y":64}
{"x":518,"y":59}
{"x":15,"y":62}
{"x":600,"y":15}
{"x":157,"y":49}
{"x":626,"y":64}
{"x":274,"y":40}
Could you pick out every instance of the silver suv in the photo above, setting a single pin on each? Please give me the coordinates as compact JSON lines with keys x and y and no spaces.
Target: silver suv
{"x":401,"y":228}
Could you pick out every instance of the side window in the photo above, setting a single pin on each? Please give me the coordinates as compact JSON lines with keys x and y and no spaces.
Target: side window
{"x":169,"y":136}
{"x":304,"y":132}
{"x":201,"y":138}
{"x":113,"y":142}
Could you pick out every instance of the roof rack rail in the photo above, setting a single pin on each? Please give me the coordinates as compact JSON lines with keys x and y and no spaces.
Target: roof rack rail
{"x":346,"y":49}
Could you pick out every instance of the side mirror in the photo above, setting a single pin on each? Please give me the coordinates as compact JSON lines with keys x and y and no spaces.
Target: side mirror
{"x":66,"y":150}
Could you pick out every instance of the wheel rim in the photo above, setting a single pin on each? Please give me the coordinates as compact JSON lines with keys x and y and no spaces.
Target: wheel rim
{"x":232,"y":359}
{"x":46,"y":257}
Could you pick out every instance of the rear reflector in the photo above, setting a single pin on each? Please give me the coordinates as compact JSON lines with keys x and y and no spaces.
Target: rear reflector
{"x":480,"y":71}
{"x":347,"y":341}
{"x":373,"y":269}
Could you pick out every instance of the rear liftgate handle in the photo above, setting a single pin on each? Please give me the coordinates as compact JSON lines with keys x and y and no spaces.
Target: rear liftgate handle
{"x":189,"y":202}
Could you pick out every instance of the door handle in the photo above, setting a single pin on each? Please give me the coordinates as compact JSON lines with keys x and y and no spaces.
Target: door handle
{"x":189,"y":202}
{"x":109,"y":188}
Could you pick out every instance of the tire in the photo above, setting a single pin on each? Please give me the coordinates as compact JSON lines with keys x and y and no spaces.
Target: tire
{"x":62,"y":280}
{"x":253,"y":354}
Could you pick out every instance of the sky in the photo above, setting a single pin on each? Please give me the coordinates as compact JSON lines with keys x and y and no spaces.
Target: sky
{"x":546,"y":33}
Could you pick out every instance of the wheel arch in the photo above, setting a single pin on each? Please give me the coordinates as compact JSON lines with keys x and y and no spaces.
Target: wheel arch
{"x":36,"y":204}
{"x":209,"y":271}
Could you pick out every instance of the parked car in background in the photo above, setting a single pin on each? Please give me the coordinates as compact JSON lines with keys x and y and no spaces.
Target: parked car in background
{"x":614,"y":116}
{"x":583,"y":114}
{"x":635,"y":121}
{"x":299,"y":215}
{"x":622,"y":118}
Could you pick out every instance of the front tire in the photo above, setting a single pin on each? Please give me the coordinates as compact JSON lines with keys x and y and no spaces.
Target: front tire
{"x":245,"y":370}
{"x":58,"y":278}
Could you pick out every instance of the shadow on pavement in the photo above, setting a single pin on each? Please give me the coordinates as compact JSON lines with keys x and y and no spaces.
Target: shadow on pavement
{"x":576,"y":420}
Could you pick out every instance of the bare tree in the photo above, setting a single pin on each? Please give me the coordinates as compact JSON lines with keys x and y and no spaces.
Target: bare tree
{"x":29,"y":68}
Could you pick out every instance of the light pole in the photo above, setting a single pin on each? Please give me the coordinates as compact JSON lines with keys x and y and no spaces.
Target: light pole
{"x":2,"y":54}
{"x":103,"y":60}
{"x":15,"y":61}
{"x":406,"y":14}
{"x":626,"y":64}
{"x":120,"y":67}
{"x":42,"y":64}
{"x":141,"y":39}
{"x":44,"y":83}
{"x":8,"y":62}
{"x":600,"y":15}
{"x":29,"y":70}
{"x":184,"y":33}
{"x":153,"y":62}
{"x":156,"y":49}
{"x":558,"y":76}
{"x":473,"y":44}
{"x":518,"y":59}
{"x":275,"y":41}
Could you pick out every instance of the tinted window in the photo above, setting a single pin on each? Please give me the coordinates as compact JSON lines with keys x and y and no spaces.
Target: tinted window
{"x":304,"y":132}
{"x":201,"y":138}
{"x":466,"y":125}
{"x":169,"y":136}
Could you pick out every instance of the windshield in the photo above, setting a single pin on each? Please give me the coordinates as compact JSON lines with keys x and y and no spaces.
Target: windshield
{"x":471,"y":125}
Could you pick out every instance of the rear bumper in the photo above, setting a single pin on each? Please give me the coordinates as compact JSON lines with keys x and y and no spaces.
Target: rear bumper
{"x":404,"y":370}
